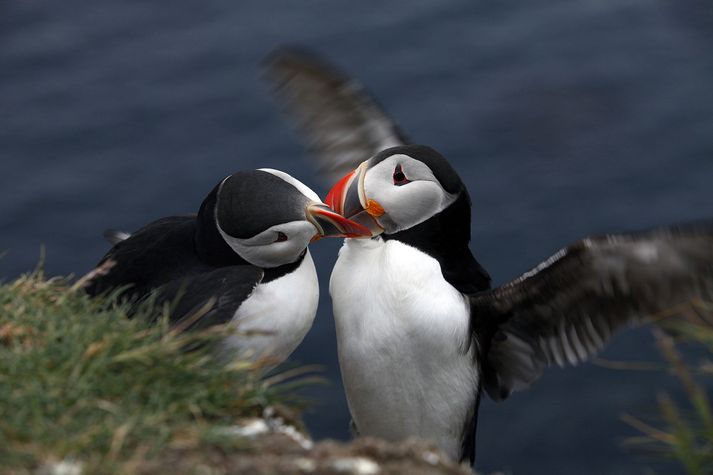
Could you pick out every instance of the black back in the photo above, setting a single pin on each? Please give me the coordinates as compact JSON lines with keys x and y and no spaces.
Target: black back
{"x":154,"y":255}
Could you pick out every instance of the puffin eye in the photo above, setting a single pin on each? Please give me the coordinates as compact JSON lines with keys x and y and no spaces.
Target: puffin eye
{"x":281,"y":237}
{"x":399,"y":177}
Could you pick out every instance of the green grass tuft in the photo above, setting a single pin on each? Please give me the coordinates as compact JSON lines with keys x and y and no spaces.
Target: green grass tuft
{"x":81,"y":381}
{"x":684,"y":432}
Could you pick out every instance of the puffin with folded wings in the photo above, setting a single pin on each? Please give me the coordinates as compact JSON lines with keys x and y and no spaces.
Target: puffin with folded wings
{"x":420,"y":330}
{"x":242,"y":260}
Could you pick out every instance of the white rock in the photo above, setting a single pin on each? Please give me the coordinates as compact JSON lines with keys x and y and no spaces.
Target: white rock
{"x":305,"y":465}
{"x":355,"y":466}
{"x":65,"y":467}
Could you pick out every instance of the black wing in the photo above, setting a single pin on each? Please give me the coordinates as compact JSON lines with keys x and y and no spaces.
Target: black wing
{"x":568,"y":307}
{"x":159,"y":260}
{"x":211,"y":298}
{"x":157,"y":253}
{"x":341,"y":123}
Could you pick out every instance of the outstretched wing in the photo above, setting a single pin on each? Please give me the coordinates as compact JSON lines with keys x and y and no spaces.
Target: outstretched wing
{"x":567,"y":308}
{"x":340,"y":122}
{"x":210,"y":298}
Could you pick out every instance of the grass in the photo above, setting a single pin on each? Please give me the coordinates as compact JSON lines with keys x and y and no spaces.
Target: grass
{"x":80,"y":381}
{"x":684,"y":431}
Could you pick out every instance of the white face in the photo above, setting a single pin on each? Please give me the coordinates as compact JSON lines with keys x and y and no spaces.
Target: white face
{"x":277,"y":245}
{"x":409,"y":195}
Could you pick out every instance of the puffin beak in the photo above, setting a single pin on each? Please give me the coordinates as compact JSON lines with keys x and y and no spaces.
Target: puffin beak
{"x":348,"y":198}
{"x":331,"y":224}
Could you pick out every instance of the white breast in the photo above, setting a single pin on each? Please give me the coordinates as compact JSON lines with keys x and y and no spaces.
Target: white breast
{"x":277,"y":314}
{"x":401,"y":331}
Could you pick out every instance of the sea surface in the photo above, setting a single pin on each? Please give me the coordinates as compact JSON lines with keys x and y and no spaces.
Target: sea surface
{"x":564,"y":118}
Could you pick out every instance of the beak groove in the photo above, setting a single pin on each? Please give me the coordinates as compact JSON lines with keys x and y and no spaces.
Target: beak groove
{"x":331,"y":224}
{"x":335,"y":197}
{"x":348,"y":198}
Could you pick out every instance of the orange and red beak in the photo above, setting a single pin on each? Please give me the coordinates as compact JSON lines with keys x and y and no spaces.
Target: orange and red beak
{"x":348,"y":198}
{"x":331,"y":224}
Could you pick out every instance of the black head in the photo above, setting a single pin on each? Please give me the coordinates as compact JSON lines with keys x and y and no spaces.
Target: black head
{"x":413,"y":195}
{"x":399,"y":188}
{"x":439,"y":166}
{"x":267,"y":218}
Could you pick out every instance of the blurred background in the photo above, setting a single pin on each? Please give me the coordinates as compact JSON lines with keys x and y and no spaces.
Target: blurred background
{"x":564,"y":118}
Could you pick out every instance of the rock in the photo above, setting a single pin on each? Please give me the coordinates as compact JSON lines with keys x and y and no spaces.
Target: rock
{"x":273,"y":447}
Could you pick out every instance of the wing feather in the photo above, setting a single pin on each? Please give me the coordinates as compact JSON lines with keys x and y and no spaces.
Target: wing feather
{"x":114,"y":236}
{"x":224,"y":290}
{"x":339,"y":121}
{"x":567,"y":308}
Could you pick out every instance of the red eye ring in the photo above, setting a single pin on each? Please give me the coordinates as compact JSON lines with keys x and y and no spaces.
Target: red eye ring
{"x":281,"y":237}
{"x":399,"y":177}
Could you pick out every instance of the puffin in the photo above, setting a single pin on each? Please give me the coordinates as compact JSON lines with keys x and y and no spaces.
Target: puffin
{"x":242,"y":260}
{"x":421,"y":332}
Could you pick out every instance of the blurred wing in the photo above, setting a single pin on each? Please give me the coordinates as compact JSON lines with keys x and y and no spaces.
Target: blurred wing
{"x":211,"y":298}
{"x":341,"y":123}
{"x":114,"y":236}
{"x":568,"y":307}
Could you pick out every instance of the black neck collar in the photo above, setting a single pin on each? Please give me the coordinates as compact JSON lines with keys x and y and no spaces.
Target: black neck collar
{"x":277,"y":272}
{"x":445,"y":237}
{"x":214,"y":251}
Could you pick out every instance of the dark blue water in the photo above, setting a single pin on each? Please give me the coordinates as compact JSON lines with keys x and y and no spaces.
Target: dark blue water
{"x":563,"y":117}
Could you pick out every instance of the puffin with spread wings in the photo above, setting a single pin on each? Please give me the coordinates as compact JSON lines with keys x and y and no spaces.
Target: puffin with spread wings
{"x":420,"y":331}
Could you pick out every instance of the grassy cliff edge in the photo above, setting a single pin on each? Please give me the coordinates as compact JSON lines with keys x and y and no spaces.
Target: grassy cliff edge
{"x":84,"y":390}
